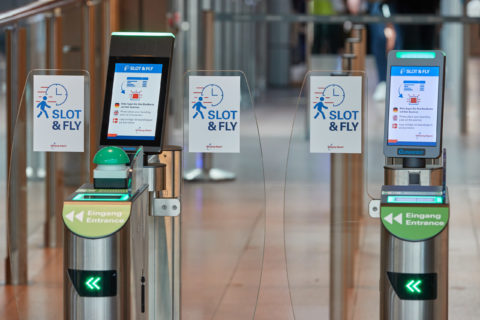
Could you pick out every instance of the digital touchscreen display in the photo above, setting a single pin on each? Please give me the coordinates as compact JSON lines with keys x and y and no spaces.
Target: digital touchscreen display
{"x":413,"y":106}
{"x":134,"y":101}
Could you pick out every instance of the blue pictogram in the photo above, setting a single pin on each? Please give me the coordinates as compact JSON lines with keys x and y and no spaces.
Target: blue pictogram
{"x":209,"y":105}
{"x":42,"y":105}
{"x":214,"y":93}
{"x":58,"y":93}
{"x":334,"y":94}
{"x":198,"y":106}
{"x":331,"y":95}
{"x":210,"y":95}
{"x":319,"y":106}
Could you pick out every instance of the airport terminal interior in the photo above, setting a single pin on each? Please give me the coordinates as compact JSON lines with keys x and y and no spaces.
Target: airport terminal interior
{"x":239,"y":159}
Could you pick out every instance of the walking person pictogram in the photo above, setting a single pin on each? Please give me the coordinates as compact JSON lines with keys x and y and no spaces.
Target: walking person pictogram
{"x":42,"y":105}
{"x":319,"y":106}
{"x":198,"y":107}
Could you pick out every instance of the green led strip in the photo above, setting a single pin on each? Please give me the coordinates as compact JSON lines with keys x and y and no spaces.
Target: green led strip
{"x":144,"y":34}
{"x":415,"y":55}
{"x":414,"y":199}
{"x":98,"y":197}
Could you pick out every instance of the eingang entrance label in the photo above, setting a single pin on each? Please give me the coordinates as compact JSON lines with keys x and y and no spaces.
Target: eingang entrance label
{"x":414,"y":223}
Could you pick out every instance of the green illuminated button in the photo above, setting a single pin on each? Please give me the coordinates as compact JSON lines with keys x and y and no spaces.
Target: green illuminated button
{"x":92,"y":283}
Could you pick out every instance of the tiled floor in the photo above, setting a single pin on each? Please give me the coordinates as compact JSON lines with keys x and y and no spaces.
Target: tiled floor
{"x":224,"y":230}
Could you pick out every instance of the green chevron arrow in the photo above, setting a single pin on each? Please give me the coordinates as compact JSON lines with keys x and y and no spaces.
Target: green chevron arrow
{"x":412,"y":286}
{"x":92,"y":283}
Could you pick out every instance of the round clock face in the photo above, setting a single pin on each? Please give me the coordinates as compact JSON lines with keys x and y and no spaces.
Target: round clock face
{"x":334,"y":93}
{"x":213,"y":93}
{"x":57,"y":93}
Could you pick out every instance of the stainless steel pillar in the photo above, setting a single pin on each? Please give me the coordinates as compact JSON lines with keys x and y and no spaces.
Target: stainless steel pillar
{"x":164,"y":176}
{"x":17,"y":259}
{"x":346,"y":204}
{"x":339,"y":229}
{"x":430,"y":256}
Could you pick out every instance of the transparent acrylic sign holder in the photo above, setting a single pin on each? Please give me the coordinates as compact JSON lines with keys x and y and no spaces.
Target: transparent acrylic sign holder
{"x":223,"y":224}
{"x":37,"y":185}
{"x":326,"y":216}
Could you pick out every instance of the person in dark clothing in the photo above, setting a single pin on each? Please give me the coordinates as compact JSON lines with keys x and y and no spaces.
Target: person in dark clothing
{"x":383,"y":38}
{"x":419,"y":37}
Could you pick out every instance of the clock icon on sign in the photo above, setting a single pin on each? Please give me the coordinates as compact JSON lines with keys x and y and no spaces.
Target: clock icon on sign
{"x":334,"y":93}
{"x":214,"y":94}
{"x":58,"y":93}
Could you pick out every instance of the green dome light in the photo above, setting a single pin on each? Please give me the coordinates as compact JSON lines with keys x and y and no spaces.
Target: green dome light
{"x":111,"y":155}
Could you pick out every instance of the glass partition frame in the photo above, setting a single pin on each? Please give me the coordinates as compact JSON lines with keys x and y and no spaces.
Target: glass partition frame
{"x":223,"y":224}
{"x":310,"y":231}
{"x":44,"y":264}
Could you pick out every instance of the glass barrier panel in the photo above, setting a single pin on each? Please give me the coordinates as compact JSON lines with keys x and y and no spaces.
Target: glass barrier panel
{"x":328,"y":233}
{"x":223,"y":224}
{"x":375,"y":160}
{"x":3,"y":160}
{"x":51,"y":128}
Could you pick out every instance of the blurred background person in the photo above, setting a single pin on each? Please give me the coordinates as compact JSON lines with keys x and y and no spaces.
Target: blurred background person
{"x":419,"y":37}
{"x":383,"y":38}
{"x":328,"y":38}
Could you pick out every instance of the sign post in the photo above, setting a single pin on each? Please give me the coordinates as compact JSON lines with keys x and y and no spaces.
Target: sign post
{"x":336,"y":107}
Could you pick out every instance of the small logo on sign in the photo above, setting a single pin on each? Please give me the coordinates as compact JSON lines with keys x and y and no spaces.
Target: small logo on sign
{"x":331,"y":147}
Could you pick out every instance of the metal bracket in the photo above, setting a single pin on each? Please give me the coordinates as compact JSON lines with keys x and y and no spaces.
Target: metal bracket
{"x":166,"y":207}
{"x":374,"y":208}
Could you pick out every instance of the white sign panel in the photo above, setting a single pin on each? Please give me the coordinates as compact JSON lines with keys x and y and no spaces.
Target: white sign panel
{"x":58,"y":113}
{"x":335,"y":114}
{"x":214,"y":114}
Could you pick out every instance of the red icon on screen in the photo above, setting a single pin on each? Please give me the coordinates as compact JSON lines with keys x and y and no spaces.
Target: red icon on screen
{"x":117,"y":105}
{"x":394,"y":126}
{"x":413,"y":99}
{"x":115,"y":112}
{"x":115,"y":120}
{"x":135,"y":95}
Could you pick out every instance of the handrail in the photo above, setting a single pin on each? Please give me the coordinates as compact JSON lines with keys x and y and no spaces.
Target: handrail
{"x":38,"y":7}
{"x":418,"y":19}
